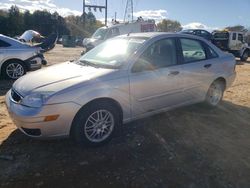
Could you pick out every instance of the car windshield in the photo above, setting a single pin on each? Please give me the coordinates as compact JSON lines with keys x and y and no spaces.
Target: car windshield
{"x":112,"y":53}
{"x":100,"y":33}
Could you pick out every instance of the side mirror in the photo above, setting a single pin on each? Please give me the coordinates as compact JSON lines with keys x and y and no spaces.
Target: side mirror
{"x":142,"y":65}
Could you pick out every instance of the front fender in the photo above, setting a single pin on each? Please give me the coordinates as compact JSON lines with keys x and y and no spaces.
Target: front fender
{"x":120,"y":95}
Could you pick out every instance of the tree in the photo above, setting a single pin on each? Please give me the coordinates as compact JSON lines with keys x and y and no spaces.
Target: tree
{"x":167,"y":25}
{"x":15,"y":21}
{"x":3,"y":22}
{"x":27,"y":19}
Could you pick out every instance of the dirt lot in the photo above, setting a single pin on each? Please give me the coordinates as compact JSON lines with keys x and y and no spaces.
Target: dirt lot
{"x":190,"y":147}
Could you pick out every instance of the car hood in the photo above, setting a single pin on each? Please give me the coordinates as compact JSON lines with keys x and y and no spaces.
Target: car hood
{"x":58,"y":77}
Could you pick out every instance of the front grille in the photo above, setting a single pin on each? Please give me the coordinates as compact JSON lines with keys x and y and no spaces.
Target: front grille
{"x":15,"y":96}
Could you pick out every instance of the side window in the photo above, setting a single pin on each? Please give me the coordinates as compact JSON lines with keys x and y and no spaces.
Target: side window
{"x":198,"y":32}
{"x":206,"y":35}
{"x":159,"y":55}
{"x":192,"y":50}
{"x":113,"y":32}
{"x":240,"y":37}
{"x":4,"y":44}
{"x":234,"y":36}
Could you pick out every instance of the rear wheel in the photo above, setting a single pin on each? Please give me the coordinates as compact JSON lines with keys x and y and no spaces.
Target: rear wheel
{"x":215,"y":93}
{"x":13,"y":69}
{"x":96,"y":124}
{"x":244,"y":56}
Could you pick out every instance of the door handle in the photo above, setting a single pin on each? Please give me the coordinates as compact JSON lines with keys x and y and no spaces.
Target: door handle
{"x":207,"y":66}
{"x":173,"y":73}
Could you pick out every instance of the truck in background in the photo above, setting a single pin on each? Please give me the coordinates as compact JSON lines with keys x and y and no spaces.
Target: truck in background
{"x":107,"y":32}
{"x":233,"y":42}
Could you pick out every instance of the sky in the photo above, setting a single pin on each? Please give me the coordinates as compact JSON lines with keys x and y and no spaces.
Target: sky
{"x":207,"y":14}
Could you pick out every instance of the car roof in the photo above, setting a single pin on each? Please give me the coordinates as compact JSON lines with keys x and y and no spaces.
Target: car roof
{"x":159,"y":34}
{"x":151,"y":35}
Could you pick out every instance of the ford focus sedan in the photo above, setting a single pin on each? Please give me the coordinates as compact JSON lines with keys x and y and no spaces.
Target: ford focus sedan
{"x":123,"y":79}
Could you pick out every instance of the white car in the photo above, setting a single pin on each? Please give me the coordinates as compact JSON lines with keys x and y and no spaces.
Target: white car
{"x":16,"y":58}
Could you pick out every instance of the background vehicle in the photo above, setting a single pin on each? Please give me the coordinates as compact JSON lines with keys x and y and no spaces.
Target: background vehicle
{"x":16,"y":58}
{"x":123,"y":79}
{"x":199,"y":32}
{"x":106,"y":32}
{"x":232,"y":42}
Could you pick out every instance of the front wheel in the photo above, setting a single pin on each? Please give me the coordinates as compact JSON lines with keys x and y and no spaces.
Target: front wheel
{"x":96,"y":124}
{"x":13,"y":69}
{"x":215,"y":93}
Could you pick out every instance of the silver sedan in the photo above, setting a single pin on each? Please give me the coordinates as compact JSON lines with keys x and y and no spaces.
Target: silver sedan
{"x":122,"y":79}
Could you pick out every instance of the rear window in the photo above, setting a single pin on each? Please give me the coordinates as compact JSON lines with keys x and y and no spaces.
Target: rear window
{"x":221,"y":35}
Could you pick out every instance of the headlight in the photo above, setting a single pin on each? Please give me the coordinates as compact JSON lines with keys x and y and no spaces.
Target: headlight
{"x":36,"y":99}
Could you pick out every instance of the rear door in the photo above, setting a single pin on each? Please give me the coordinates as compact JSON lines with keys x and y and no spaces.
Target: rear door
{"x":198,"y":63}
{"x":155,"y":78}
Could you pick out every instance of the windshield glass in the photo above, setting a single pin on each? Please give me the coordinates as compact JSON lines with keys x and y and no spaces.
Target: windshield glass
{"x":112,"y":52}
{"x":100,"y":33}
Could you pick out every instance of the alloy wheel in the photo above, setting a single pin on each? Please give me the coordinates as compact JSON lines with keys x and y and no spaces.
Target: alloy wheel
{"x":99,"y":126}
{"x":15,"y":70}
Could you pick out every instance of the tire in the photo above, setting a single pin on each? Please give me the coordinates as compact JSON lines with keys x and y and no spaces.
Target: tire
{"x":87,"y":130}
{"x":215,"y":93}
{"x":245,"y":56}
{"x":13,"y":69}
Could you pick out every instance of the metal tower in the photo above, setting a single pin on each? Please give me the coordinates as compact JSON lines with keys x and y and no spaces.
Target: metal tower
{"x":128,"y":16}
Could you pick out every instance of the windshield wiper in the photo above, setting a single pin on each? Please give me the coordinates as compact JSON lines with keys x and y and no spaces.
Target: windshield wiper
{"x":106,"y":66}
{"x":88,"y":63}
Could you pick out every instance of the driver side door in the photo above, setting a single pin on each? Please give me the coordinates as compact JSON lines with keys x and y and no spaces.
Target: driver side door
{"x":156,"y":78}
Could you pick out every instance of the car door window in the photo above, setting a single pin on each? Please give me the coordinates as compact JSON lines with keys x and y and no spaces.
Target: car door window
{"x":234,"y":36}
{"x":159,"y":55}
{"x":113,"y":32}
{"x":192,"y":50}
{"x":4,"y":44}
{"x":240,"y":37}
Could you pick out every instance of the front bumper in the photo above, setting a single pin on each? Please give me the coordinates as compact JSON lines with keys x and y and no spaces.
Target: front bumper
{"x":31,"y":120}
{"x":35,"y":62}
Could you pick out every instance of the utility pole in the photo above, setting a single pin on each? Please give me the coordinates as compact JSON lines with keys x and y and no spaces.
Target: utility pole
{"x":129,"y":12}
{"x":96,"y":7}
